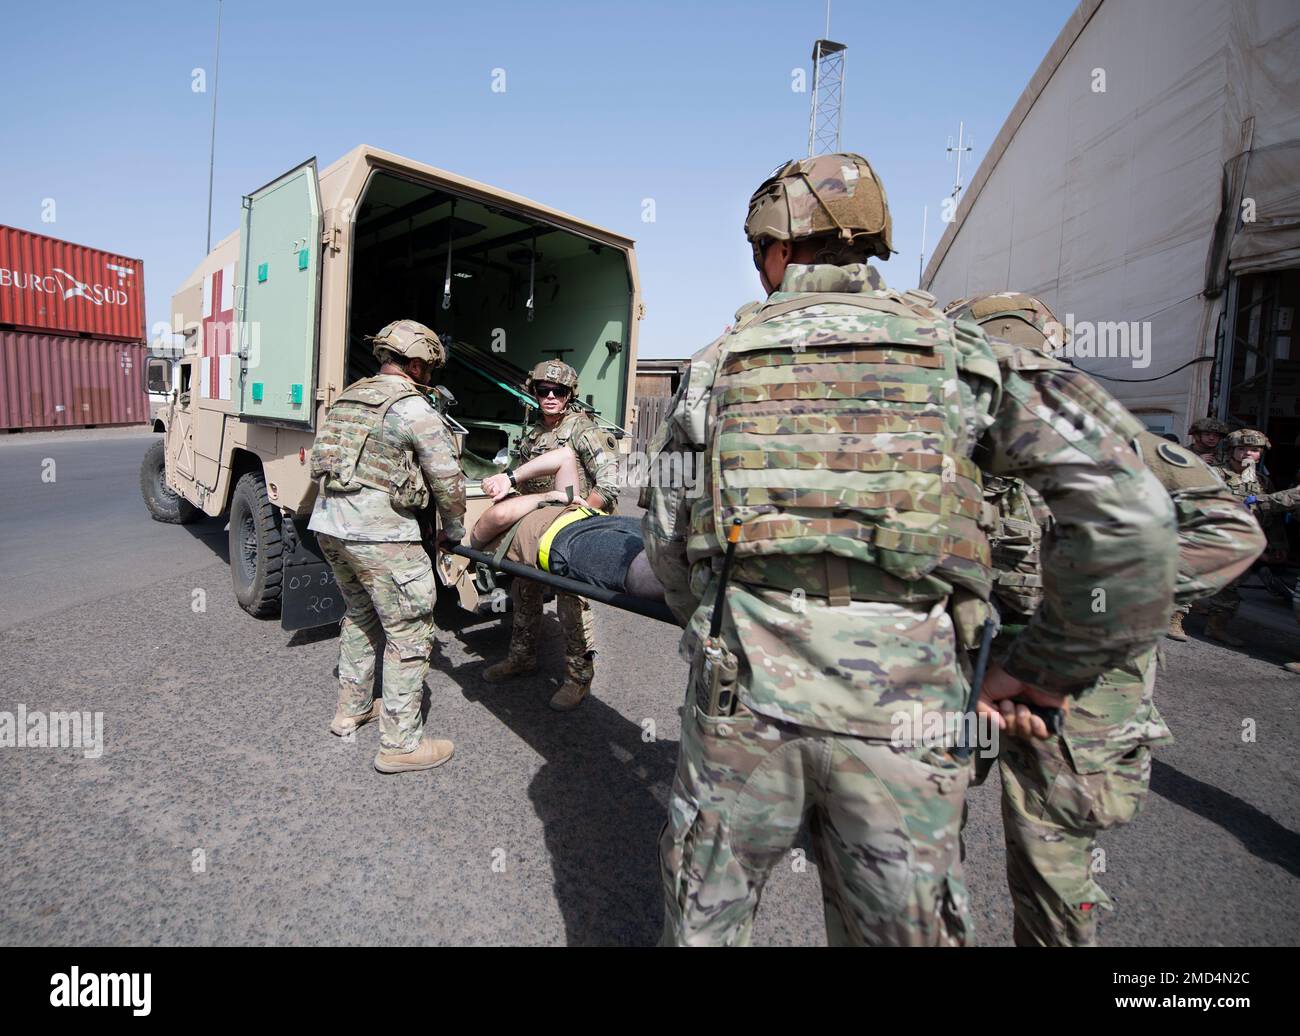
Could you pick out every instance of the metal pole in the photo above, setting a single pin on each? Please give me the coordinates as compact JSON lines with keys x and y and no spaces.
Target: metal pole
{"x":212,"y":144}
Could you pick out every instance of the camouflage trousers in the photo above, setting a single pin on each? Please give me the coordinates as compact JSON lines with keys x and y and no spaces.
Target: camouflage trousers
{"x":1059,"y":793}
{"x":1225,"y":603}
{"x":576,"y":624}
{"x":884,"y":824}
{"x":389,"y":591}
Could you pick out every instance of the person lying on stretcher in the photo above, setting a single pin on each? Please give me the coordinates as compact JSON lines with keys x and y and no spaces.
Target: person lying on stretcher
{"x":557,"y":535}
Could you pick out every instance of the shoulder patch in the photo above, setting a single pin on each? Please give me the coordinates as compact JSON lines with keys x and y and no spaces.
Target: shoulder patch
{"x":1175,"y":455}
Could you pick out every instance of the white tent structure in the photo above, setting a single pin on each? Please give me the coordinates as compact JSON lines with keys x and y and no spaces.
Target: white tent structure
{"x":1147,"y":186}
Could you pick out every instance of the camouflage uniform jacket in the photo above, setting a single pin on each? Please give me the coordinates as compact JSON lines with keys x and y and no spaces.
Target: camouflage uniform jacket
{"x":595,"y":447}
{"x":1217,"y":541}
{"x":1282,"y":500}
{"x":1033,"y":418}
{"x":369,"y":515}
{"x":1252,"y":483}
{"x":1217,"y":538}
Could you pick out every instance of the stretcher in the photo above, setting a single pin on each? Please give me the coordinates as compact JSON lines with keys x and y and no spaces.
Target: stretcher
{"x":452,"y":574}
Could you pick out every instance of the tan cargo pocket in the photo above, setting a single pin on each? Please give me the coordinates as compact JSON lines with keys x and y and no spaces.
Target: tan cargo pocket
{"x":415,"y":588}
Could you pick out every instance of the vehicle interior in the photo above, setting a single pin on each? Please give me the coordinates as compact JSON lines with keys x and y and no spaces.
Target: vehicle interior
{"x":506,"y":290}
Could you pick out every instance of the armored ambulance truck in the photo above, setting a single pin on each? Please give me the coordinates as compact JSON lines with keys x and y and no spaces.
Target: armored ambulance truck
{"x":274,"y":320}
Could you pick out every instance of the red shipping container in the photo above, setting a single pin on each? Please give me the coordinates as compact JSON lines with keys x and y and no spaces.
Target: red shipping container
{"x":52,"y":381}
{"x":51,"y":285}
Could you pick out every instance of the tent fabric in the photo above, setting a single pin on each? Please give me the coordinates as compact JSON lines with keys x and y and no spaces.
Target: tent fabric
{"x":1103,"y":191}
{"x":1271,"y":241}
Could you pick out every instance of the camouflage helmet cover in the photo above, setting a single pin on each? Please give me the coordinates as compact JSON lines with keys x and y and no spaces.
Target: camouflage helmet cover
{"x":555,"y":371}
{"x":1246,"y":437}
{"x":410,"y":339}
{"x":824,"y":194}
{"x":1012,"y":316}
{"x":1208,"y":424}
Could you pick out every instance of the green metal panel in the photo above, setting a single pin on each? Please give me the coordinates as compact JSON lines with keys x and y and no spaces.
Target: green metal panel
{"x":279,"y":318}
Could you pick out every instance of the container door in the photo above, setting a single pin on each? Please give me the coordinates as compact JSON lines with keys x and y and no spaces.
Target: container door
{"x":279,"y":311}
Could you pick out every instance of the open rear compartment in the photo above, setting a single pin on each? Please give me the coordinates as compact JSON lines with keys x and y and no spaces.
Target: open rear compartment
{"x":468,"y":270}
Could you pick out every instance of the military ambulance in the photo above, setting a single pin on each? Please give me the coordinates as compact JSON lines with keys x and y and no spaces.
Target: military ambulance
{"x":274,"y":321}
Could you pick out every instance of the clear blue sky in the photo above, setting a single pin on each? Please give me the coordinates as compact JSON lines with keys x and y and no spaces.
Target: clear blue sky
{"x":606,"y":103}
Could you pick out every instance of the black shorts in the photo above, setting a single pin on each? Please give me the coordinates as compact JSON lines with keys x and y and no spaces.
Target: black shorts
{"x":597,"y":550}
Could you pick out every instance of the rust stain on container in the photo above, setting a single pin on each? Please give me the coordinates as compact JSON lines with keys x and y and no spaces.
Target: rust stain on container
{"x":52,"y":285}
{"x":54,"y":381}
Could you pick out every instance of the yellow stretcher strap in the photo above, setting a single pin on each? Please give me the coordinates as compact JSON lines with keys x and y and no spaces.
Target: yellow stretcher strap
{"x":548,"y":537}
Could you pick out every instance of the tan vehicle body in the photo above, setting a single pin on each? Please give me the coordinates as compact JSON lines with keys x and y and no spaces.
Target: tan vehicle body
{"x":210,"y":444}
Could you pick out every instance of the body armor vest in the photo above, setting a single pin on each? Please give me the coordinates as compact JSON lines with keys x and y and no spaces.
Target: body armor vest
{"x":539,"y":440}
{"x":351,"y":452}
{"x":845,"y":434}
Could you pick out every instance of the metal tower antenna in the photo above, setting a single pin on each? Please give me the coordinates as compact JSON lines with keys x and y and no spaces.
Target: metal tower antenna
{"x":212,"y":144}
{"x":827,"y":115}
{"x":959,"y":149}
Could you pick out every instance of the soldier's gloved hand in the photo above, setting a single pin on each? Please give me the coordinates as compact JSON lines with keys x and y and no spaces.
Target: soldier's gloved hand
{"x":1014,"y":718}
{"x":1251,"y":500}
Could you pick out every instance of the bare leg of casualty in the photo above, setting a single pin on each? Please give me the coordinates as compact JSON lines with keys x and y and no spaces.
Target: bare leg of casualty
{"x":506,"y":510}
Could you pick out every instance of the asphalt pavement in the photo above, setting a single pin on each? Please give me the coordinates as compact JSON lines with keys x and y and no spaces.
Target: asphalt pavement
{"x":221,"y":811}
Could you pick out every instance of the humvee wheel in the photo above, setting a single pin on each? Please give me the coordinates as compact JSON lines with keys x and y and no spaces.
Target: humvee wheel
{"x":164,"y":504}
{"x":256,"y":548}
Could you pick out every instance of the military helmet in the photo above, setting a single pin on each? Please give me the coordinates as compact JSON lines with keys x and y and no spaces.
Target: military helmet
{"x":1208,"y":424}
{"x":1012,"y":316}
{"x":1246,"y":437}
{"x":555,"y":371}
{"x":810,"y":197}
{"x":412,"y":340}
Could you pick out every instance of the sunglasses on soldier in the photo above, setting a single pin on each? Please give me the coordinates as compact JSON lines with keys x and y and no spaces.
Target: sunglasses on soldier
{"x":543,"y":389}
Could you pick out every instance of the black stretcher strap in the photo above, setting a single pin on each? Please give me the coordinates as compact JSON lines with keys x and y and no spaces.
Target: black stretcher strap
{"x":640,"y":605}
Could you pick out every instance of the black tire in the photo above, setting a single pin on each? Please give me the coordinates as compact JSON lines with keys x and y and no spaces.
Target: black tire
{"x":256,"y":547}
{"x":164,"y":505}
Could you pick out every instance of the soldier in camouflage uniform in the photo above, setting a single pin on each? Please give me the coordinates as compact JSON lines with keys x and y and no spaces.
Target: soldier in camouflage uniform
{"x":1204,"y":438}
{"x":1241,"y":452}
{"x":838,"y":422}
{"x":381,"y":452}
{"x":1058,"y":793}
{"x":560,"y":423}
{"x":1269,"y":507}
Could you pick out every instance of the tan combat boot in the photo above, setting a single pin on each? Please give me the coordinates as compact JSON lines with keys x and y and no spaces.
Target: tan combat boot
{"x":1217,"y":629}
{"x":1176,"y":631}
{"x":1292,"y":667}
{"x":570,"y":696}
{"x":342,"y":725}
{"x":427,"y":755}
{"x":510,"y":667}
